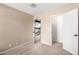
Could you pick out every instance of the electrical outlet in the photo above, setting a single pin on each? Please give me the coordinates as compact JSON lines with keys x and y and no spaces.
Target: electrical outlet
{"x":16,"y":43}
{"x":10,"y":45}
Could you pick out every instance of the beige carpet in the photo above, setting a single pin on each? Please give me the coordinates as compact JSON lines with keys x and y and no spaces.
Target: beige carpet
{"x":38,"y":49}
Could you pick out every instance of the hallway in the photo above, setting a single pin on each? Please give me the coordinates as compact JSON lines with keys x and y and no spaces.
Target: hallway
{"x":38,"y":49}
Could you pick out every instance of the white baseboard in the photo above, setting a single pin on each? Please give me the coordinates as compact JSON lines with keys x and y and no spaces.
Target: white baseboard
{"x":28,"y":43}
{"x":46,"y":43}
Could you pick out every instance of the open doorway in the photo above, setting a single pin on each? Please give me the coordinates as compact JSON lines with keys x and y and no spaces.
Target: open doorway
{"x":37,"y":31}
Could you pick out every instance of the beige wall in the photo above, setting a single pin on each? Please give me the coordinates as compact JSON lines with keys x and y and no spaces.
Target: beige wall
{"x":15,"y":27}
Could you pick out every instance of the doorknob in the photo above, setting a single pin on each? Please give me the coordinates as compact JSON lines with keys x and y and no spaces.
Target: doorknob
{"x":75,"y":35}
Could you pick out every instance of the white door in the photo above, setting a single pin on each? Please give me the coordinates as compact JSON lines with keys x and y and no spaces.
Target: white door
{"x":70,"y":31}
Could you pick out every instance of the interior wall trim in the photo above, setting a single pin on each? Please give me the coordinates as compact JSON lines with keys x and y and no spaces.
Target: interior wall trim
{"x":18,"y":46}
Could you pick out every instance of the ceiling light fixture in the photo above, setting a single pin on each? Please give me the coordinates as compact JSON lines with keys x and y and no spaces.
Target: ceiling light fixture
{"x":33,"y":5}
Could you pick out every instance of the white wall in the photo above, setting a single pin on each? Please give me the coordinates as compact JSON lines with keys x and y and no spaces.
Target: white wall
{"x":59,"y":28}
{"x":57,"y":21}
{"x":46,"y":28}
{"x":53,"y":28}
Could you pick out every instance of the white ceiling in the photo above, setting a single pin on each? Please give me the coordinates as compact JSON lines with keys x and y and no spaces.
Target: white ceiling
{"x":41,"y":7}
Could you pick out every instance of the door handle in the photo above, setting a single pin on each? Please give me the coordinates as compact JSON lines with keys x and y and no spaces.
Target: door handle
{"x":75,"y":35}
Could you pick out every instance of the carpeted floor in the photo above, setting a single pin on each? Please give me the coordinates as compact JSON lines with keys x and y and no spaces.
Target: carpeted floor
{"x":38,"y":49}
